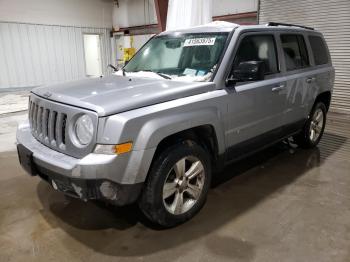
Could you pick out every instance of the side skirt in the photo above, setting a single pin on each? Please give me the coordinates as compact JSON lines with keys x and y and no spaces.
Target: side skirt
{"x":256,"y":144}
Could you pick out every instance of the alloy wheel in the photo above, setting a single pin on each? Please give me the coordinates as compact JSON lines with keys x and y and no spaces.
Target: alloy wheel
{"x":316,"y":125}
{"x":183,"y":185}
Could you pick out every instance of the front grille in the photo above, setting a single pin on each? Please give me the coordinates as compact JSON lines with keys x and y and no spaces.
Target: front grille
{"x":51,"y":124}
{"x":47,"y":125}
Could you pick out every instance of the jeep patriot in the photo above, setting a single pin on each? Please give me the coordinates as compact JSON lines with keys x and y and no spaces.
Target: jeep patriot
{"x":188,"y":103}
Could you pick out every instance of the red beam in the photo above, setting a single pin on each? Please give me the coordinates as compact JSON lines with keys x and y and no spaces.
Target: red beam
{"x":235,"y":16}
{"x":162,"y":11}
{"x":138,"y":27}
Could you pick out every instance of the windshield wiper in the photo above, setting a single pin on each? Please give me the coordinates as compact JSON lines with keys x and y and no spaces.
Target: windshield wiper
{"x":116,"y":69}
{"x":163,"y":75}
{"x":158,"y":73}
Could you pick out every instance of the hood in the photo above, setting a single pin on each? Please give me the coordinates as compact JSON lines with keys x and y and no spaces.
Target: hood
{"x":114,"y":94}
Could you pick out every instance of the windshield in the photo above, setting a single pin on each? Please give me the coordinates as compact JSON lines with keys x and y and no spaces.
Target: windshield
{"x":192,"y":57}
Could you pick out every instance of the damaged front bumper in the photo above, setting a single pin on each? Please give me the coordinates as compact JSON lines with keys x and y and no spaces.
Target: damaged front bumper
{"x":88,"y":178}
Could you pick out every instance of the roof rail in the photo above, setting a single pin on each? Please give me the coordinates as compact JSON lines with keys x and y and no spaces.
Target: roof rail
{"x":284,"y":24}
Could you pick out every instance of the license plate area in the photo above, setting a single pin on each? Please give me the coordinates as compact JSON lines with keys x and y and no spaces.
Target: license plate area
{"x":26,"y":159}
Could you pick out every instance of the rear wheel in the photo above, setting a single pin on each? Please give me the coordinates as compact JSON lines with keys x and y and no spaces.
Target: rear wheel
{"x":177,"y":185}
{"x":313,"y":130}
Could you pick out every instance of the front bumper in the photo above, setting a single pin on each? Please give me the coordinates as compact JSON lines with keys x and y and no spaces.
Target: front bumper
{"x":95,"y":176}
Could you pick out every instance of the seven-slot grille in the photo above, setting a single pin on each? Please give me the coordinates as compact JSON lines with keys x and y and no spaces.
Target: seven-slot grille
{"x":47,"y":125}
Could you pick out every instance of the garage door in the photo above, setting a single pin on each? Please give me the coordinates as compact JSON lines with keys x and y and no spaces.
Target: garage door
{"x":332,"y":18}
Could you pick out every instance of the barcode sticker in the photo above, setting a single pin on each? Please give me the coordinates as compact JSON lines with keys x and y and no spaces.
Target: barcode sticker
{"x":199,"y":41}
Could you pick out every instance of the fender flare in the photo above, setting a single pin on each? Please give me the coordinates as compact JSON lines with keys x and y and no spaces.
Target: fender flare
{"x":157,"y":129}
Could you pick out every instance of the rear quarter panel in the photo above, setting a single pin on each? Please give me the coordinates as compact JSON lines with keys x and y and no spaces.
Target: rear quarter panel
{"x":324,"y":74}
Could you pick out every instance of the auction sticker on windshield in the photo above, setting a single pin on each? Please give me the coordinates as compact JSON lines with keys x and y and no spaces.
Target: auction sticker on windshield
{"x":199,"y":41}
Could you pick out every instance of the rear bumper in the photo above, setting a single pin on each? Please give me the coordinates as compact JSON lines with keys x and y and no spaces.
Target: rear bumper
{"x":92,"y":177}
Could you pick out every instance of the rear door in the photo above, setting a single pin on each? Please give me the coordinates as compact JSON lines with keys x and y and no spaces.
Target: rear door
{"x":255,"y":109}
{"x":299,"y":79}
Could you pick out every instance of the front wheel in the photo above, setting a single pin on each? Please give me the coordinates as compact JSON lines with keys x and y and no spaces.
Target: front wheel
{"x":177,"y":185}
{"x":313,"y":130}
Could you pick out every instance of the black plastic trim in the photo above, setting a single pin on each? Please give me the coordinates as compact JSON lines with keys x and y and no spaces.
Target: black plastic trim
{"x":285,"y":24}
{"x":89,"y":189}
{"x":258,"y":143}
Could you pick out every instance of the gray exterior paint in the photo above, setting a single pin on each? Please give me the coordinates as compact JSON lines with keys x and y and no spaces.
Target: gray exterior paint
{"x":332,"y":18}
{"x":236,"y":114}
{"x":114,"y":94}
{"x":35,"y":55}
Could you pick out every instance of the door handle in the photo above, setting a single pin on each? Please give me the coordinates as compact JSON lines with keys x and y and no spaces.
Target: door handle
{"x":310,"y":79}
{"x":278,"y":88}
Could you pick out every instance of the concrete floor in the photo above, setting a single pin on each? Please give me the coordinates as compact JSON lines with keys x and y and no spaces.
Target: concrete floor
{"x":279,"y":205}
{"x":13,"y":101}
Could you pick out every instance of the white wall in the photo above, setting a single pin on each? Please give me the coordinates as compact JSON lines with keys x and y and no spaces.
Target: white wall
{"x":134,"y":13}
{"x":226,"y":7}
{"x":81,"y":13}
{"x":34,"y":55}
{"x":41,"y":41}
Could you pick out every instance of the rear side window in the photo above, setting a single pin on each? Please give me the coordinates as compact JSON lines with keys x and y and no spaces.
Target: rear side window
{"x":295,"y":52}
{"x":319,"y":50}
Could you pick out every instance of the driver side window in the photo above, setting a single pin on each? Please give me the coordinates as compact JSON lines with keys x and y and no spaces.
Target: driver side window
{"x":259,"y":48}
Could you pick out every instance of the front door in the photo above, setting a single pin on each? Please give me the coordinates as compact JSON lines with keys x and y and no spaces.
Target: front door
{"x":255,"y":108}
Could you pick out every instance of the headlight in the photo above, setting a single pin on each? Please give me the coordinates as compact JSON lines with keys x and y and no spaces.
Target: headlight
{"x":84,"y":129}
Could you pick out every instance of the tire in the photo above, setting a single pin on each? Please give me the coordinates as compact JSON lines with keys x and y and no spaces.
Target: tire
{"x":161,"y":197}
{"x":305,"y":139}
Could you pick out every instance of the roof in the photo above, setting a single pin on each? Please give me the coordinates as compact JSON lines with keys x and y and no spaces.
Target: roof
{"x":216,"y":26}
{"x":222,"y":26}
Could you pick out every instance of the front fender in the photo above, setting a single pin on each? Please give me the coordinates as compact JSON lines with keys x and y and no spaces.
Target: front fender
{"x":147,"y":127}
{"x":157,"y":129}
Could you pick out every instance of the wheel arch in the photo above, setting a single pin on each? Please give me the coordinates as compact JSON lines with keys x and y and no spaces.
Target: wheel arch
{"x":204,"y":135}
{"x":324,"y":97}
{"x":203,"y":126}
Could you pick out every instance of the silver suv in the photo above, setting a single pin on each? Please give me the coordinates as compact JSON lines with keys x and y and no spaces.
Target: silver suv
{"x":188,"y":103}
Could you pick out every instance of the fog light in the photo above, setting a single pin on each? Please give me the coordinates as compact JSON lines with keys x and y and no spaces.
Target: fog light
{"x":108,"y":190}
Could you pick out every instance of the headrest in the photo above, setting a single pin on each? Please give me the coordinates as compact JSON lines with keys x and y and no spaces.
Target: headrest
{"x":289,"y":51}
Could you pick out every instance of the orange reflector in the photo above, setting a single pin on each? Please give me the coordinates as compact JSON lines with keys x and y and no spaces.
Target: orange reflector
{"x":123,"y":148}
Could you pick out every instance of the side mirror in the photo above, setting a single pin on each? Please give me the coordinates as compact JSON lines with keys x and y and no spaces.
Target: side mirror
{"x":247,"y":71}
